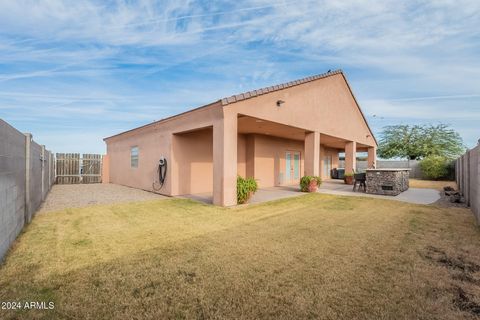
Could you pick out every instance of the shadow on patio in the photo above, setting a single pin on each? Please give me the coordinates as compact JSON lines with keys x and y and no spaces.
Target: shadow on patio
{"x":262,"y":195}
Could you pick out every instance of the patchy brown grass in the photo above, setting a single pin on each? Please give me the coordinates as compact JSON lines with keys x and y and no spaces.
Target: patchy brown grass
{"x":431,"y":184}
{"x":315,"y":256}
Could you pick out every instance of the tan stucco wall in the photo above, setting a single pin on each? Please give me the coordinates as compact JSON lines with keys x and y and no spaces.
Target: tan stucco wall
{"x":151,"y":145}
{"x":154,"y":141}
{"x":333,"y":154}
{"x":194,"y":157}
{"x":242,"y":155}
{"x":194,"y":161}
{"x":105,"y":169}
{"x":325,"y":105}
{"x":269,"y":159}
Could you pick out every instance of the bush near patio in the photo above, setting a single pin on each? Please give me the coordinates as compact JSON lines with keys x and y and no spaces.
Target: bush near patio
{"x":435,"y":167}
{"x":348,"y":177}
{"x":246,"y":187}
{"x":306,"y":180}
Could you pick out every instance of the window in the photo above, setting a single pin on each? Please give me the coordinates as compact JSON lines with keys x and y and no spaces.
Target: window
{"x":134,"y":157}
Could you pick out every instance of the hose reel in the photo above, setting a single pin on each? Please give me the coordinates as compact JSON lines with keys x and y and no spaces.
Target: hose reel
{"x":161,"y":174}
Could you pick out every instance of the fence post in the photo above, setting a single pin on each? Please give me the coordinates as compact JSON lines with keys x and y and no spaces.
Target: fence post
{"x":467,"y":178}
{"x":42,"y":159}
{"x":476,"y":196}
{"x":456,"y":171}
{"x":462,"y":173}
{"x":52,"y":172}
{"x":28,"y":140}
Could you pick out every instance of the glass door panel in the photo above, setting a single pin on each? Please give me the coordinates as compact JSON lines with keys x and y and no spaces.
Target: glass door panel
{"x":288,"y":167}
{"x":296,"y":166}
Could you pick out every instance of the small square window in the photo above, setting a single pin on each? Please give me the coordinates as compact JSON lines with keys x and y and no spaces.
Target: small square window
{"x":134,"y":157}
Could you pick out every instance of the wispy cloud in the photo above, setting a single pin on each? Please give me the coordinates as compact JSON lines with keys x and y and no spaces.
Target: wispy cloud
{"x":116,"y":64}
{"x":455,"y":96}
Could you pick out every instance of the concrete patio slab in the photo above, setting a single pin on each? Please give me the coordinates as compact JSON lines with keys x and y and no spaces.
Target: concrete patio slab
{"x":200,"y":197}
{"x":275,"y":193}
{"x":335,"y":187}
{"x":412,"y":195}
{"x":262,"y":195}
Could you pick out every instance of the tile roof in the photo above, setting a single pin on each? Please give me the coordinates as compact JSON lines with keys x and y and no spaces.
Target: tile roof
{"x":258,"y":92}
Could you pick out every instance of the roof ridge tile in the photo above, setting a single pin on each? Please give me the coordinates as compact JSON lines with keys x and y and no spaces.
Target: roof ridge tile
{"x":280,"y":86}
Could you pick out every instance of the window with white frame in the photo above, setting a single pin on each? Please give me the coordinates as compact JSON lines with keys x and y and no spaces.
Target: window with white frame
{"x":134,"y":157}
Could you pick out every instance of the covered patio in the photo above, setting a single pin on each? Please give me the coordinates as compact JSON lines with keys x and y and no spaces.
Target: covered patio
{"x":333,"y":187}
{"x":275,"y":134}
{"x":274,"y":154}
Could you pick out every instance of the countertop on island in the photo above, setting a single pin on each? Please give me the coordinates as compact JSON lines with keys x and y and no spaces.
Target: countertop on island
{"x":389,"y":169}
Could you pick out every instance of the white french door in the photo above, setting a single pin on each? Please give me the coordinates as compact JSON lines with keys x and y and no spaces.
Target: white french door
{"x":292,"y":167}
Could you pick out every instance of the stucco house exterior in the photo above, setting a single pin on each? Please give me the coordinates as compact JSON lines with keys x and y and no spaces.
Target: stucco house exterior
{"x":275,"y":134}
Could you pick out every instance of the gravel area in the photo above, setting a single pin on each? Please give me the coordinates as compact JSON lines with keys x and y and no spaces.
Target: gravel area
{"x":444,"y":202}
{"x":65,"y":196}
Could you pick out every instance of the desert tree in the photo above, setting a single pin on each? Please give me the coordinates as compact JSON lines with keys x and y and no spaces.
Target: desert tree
{"x":416,"y":142}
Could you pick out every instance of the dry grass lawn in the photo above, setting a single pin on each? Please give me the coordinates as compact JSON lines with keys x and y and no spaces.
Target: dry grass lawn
{"x":315,"y":256}
{"x":431,"y":184}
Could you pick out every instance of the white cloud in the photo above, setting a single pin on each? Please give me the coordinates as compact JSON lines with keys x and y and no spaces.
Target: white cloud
{"x":135,"y":61}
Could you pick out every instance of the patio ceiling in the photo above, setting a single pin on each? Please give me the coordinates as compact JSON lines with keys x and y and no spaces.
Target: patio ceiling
{"x":339,"y":143}
{"x":248,"y":125}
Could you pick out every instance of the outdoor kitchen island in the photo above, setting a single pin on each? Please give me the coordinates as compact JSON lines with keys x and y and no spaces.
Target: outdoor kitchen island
{"x":390,"y":182}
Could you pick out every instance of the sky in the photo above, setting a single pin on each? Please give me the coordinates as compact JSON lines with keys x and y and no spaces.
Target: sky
{"x":75,"y":72}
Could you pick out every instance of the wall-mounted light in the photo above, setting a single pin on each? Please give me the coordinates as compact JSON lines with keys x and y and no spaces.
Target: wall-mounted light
{"x":280,"y":102}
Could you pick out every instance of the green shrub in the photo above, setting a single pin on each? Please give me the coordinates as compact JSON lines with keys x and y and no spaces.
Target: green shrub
{"x":350,"y":174}
{"x":450,"y":170}
{"x":434,"y":167}
{"x":305,"y":181}
{"x":245,"y":188}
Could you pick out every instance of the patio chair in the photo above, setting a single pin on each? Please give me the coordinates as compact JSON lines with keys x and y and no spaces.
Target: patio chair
{"x":360,"y":180}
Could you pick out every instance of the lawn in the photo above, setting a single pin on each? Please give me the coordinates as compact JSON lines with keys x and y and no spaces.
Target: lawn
{"x":315,"y":256}
{"x":432,"y":184}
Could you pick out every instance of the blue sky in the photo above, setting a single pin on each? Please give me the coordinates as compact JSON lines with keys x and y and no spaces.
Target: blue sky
{"x":74,"y":72}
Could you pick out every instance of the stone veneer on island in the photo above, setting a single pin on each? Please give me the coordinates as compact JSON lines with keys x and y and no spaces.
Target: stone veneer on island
{"x":390,"y":182}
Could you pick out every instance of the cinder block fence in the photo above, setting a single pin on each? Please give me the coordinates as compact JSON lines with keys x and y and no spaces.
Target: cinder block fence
{"x":26,"y":175}
{"x":413,"y":165}
{"x":467,"y":172}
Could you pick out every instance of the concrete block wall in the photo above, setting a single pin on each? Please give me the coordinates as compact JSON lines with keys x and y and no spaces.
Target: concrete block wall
{"x":414,"y":165}
{"x":12,"y":185}
{"x":35,"y":178}
{"x":20,"y":189}
{"x":467,"y":169}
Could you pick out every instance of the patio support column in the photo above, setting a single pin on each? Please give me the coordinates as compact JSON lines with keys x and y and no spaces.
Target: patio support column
{"x":312,"y":154}
{"x":350,"y":157}
{"x":225,"y":160}
{"x":372,"y":157}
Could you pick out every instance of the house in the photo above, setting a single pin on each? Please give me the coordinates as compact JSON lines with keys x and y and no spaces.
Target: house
{"x":275,"y":134}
